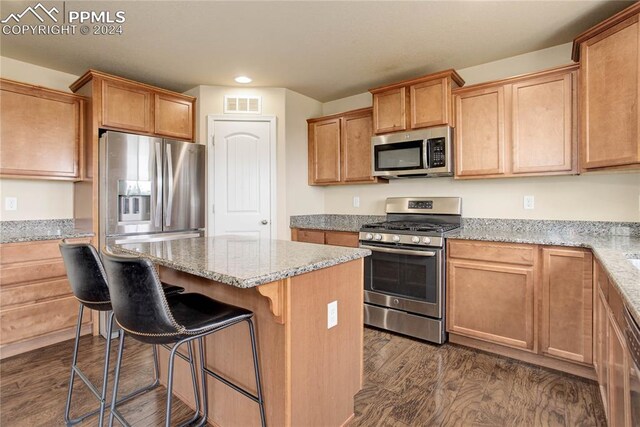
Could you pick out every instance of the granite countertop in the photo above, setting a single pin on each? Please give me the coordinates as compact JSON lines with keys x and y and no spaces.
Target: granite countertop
{"x":241,"y":261}
{"x":331,"y":222}
{"x":612,"y":251}
{"x":36,"y":230}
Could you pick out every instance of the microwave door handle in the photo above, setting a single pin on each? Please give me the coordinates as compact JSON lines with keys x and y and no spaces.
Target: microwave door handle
{"x":158,"y":211}
{"x":425,"y":154}
{"x":399,"y":251}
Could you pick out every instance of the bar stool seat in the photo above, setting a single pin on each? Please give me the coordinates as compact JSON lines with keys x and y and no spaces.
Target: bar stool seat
{"x":144,"y":313}
{"x":88,"y":282}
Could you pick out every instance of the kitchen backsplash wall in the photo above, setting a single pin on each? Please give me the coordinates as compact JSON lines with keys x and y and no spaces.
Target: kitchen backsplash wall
{"x":36,"y":199}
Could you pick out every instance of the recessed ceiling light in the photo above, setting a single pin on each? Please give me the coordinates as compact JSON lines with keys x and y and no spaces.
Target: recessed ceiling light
{"x":243,"y":79}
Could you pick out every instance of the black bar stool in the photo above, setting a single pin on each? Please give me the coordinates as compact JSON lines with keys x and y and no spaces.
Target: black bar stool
{"x":145,"y":314}
{"x":89,"y":285}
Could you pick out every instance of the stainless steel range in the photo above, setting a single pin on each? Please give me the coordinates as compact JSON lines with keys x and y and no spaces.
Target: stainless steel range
{"x":404,"y":279}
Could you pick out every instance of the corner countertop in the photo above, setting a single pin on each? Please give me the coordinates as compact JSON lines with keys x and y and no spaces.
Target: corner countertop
{"x":38,"y":230}
{"x":612,"y":251}
{"x":240,"y":261}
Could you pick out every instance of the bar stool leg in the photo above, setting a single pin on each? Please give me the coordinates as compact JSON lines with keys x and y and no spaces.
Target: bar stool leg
{"x":257,"y":371}
{"x":105,"y":374}
{"x":74,"y":360}
{"x":114,"y":398}
{"x":205,"y":392}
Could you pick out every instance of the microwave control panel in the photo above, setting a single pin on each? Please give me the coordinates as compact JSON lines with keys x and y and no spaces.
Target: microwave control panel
{"x":437,"y":155}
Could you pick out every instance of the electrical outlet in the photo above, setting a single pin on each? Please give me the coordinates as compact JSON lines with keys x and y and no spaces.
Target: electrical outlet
{"x":332,"y":314}
{"x":356,"y":201}
{"x":10,"y":203}
{"x":528,"y":202}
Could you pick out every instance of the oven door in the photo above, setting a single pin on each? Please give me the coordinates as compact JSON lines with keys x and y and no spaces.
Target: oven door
{"x":405,"y":279}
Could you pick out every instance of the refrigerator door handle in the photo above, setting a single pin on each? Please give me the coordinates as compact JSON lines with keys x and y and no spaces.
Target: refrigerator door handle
{"x":169,"y":187}
{"x":158,"y":211}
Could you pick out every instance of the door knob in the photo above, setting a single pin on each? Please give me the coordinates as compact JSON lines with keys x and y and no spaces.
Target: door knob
{"x":264,"y":222}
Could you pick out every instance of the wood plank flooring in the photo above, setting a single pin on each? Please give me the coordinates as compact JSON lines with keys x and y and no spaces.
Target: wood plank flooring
{"x":406,"y":383}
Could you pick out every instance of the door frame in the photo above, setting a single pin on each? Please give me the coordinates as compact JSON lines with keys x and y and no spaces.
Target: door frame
{"x":211,"y":119}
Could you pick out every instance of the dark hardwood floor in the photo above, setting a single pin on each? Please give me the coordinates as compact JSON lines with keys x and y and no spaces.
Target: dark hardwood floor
{"x":406,"y":383}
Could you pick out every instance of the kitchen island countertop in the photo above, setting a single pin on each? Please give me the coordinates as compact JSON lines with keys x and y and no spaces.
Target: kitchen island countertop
{"x":244,"y":262}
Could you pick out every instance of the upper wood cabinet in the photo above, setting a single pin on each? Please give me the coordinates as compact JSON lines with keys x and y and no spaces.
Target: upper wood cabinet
{"x":609,"y":58}
{"x":415,"y":103}
{"x":41,"y":132}
{"x":517,"y":127}
{"x":340,"y":148}
{"x":135,"y":107}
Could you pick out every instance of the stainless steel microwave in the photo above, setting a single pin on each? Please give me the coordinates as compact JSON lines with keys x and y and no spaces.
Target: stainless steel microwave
{"x":424,"y":152}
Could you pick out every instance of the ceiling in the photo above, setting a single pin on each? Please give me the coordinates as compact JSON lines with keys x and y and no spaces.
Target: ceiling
{"x":323,"y":49}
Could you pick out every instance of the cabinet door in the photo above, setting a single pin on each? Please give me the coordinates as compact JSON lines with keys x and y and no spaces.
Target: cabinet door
{"x":609,"y":91}
{"x":492,"y":302}
{"x":389,"y":110}
{"x":324,"y":150}
{"x":356,"y":147}
{"x":430,"y":103}
{"x":480,"y":133}
{"x":567,"y":286}
{"x":601,"y":348}
{"x":173,"y":117}
{"x":126,"y":106}
{"x":543,"y":125}
{"x":619,"y":396}
{"x":41,"y":133}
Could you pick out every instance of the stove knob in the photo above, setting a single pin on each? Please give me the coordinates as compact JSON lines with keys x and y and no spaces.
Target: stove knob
{"x":396,"y":238}
{"x":369,"y":236}
{"x":377,"y":237}
{"x":415,"y":239}
{"x":426,"y":240}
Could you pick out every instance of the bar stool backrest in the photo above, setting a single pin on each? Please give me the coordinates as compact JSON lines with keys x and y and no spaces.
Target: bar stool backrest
{"x":138,"y":300}
{"x":86,"y":275}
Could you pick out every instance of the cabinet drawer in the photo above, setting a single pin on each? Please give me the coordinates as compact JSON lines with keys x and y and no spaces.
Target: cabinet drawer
{"x":33,"y":292}
{"x":493,"y":252}
{"x":31,"y":251}
{"x":19,"y":273}
{"x":38,"y":319}
{"x":341,"y":239}
{"x":311,"y":236}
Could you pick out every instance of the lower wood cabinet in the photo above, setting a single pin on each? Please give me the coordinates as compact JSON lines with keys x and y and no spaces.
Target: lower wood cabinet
{"x":612,"y":360}
{"x":492,"y":300}
{"x":336,"y":238}
{"x":525,"y":301}
{"x":41,"y":132}
{"x":37,"y":307}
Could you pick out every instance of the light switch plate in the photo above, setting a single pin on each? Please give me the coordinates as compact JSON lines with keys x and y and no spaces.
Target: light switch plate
{"x":332,"y":314}
{"x":10,"y":203}
{"x":356,"y":201}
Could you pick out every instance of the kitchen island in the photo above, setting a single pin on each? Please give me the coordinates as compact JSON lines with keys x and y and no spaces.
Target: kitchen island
{"x":310,"y":372}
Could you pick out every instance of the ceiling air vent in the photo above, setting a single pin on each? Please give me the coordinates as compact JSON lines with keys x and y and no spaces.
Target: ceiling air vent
{"x":242,"y":104}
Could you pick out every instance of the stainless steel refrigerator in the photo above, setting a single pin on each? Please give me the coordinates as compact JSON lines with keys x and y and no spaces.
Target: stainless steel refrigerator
{"x":150,"y":188}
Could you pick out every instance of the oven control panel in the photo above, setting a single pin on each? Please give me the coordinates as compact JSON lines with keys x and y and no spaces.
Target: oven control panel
{"x":420,"y":204}
{"x":400,"y":239}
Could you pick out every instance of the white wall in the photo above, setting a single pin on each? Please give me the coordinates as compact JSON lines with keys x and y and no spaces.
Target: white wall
{"x":36,"y":199}
{"x":301,"y":197}
{"x":611,"y":196}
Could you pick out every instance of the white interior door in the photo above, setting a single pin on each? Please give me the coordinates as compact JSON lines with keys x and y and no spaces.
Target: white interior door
{"x":241,"y":187}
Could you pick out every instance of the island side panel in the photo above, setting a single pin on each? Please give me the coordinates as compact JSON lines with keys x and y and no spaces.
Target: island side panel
{"x":326,"y":364}
{"x":228,"y":352}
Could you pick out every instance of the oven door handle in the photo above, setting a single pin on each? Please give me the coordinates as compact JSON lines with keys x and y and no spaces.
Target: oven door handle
{"x":399,"y":251}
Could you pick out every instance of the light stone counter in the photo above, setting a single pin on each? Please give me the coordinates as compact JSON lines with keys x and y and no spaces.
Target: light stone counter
{"x":37,"y":230}
{"x":244,"y":262}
